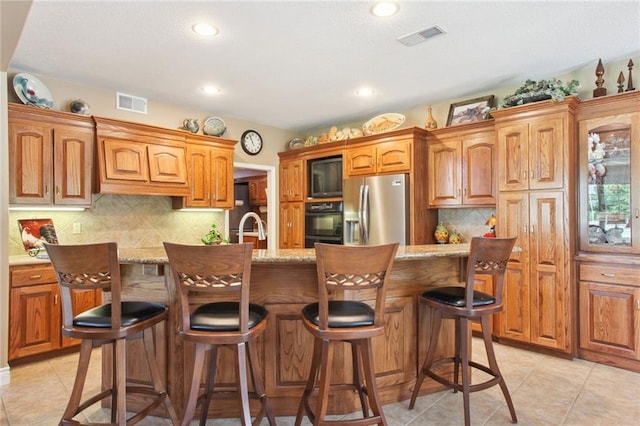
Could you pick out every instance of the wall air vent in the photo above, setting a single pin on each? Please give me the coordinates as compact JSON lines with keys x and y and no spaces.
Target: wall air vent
{"x":131,"y":103}
{"x":420,"y":36}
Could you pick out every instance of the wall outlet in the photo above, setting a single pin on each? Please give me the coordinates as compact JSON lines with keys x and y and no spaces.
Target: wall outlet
{"x":77,"y":228}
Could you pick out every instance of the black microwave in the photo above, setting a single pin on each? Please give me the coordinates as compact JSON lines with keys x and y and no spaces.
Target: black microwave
{"x":325,"y":177}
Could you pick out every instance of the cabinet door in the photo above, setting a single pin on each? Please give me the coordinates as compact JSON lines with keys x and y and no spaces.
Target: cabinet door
{"x":445,"y":174}
{"x":546,"y":159}
{"x":549,"y":288}
{"x":83,"y":300}
{"x":30,"y":163}
{"x":513,"y":155}
{"x":478,"y":177}
{"x":292,"y":180}
{"x":34,"y":320}
{"x":292,"y":225}
{"x":199,"y":176}
{"x":125,"y":160}
{"x":167,"y":164}
{"x":73,"y":159}
{"x":513,"y":221}
{"x":360,"y":161}
{"x":222,"y":179}
{"x":393,"y":157}
{"x":610,"y":319}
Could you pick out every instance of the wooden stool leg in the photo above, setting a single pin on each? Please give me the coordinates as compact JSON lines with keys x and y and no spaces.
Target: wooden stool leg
{"x":120,"y":355}
{"x":356,"y":362}
{"x":463,"y":340}
{"x":154,"y":372}
{"x":81,"y":375}
{"x":493,"y":364}
{"x":192,"y":400}
{"x":326,"y":367}
{"x":209,"y":384}
{"x":241,"y":369}
{"x":304,"y":406}
{"x":457,"y":355}
{"x":372,"y":390}
{"x":436,"y":320}
{"x":259,"y":388}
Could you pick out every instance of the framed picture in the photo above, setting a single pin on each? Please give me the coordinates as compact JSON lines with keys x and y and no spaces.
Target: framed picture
{"x":469,"y":111}
{"x":35,"y":232}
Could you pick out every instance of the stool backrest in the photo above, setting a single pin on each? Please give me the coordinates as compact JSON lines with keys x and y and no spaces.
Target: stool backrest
{"x":488,"y":256}
{"x":200,"y":271}
{"x":86,"y":267}
{"x":353,"y":268}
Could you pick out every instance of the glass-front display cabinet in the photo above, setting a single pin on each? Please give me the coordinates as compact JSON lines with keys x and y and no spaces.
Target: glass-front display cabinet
{"x":609,"y":205}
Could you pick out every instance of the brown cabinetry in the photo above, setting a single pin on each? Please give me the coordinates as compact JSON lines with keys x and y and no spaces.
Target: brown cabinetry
{"x":50,"y":157}
{"x":535,"y":204}
{"x":292,"y":180}
{"x":609,"y":230}
{"x":139,"y":159}
{"x":35,"y":313}
{"x":291,"y":225}
{"x":393,"y":156}
{"x":210,"y":171}
{"x":460,"y":161}
{"x":258,"y":191}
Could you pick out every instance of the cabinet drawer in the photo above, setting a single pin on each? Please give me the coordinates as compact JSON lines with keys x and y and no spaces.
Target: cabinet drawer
{"x":32,"y":276}
{"x":610,"y":274}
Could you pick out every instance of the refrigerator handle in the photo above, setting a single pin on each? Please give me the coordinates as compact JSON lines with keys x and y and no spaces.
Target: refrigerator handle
{"x":365,"y":215}
{"x":360,"y":226}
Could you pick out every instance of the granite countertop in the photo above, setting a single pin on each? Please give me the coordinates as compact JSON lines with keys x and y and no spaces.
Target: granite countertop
{"x":158,"y":255}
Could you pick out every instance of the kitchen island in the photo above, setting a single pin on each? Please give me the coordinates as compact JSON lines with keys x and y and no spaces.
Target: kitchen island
{"x":284,"y":281}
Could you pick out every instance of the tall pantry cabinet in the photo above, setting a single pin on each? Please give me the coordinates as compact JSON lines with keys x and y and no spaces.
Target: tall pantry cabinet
{"x":536,"y":204}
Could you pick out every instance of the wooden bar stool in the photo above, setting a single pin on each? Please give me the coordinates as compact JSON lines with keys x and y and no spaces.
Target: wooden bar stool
{"x":202,"y":272}
{"x":488,"y":256}
{"x":345,"y":269}
{"x":96,"y":266}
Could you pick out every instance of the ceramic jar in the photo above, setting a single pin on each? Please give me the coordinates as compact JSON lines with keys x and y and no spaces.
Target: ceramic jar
{"x":455,"y":238}
{"x":441,"y":234}
{"x":431,"y":123}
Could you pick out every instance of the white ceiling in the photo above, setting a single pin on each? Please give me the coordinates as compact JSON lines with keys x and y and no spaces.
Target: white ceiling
{"x":296,"y":65}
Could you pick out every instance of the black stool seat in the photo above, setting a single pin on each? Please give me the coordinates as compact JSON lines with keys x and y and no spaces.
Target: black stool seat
{"x":456,"y":296}
{"x":132,"y":313}
{"x":224,"y":316}
{"x":342,"y":313}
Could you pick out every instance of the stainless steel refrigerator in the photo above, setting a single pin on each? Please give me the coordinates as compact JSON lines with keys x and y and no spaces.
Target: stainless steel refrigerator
{"x":376,"y":210}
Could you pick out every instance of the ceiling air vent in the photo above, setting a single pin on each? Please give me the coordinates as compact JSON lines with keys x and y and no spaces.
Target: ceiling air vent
{"x":131,"y":103}
{"x":420,"y":36}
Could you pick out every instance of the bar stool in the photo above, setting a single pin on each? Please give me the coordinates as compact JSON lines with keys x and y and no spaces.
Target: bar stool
{"x":488,"y":256}
{"x":344,"y":269}
{"x":202,"y":272}
{"x":96,"y":266}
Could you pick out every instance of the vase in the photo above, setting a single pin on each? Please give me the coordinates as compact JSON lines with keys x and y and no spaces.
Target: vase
{"x":441,"y":234}
{"x":455,"y":237}
{"x":431,"y":123}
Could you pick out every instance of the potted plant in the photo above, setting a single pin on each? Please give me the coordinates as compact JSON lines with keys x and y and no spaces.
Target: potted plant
{"x":534,"y":91}
{"x":214,"y":236}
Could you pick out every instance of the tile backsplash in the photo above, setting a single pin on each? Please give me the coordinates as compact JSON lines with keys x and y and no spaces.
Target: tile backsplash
{"x":130,"y":220}
{"x":468,"y":222}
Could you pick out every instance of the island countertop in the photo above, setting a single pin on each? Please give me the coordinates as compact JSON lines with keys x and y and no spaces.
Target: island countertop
{"x":426,"y":251}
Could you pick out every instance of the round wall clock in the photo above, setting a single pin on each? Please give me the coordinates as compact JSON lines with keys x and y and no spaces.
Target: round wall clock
{"x":251,"y":142}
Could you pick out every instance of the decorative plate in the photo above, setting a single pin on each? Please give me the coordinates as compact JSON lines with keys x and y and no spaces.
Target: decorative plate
{"x":383,"y":123}
{"x":214,"y":126}
{"x":296,"y":143}
{"x":32,"y":91}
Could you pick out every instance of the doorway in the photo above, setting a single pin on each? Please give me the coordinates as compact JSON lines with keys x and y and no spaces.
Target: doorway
{"x":244,"y":170}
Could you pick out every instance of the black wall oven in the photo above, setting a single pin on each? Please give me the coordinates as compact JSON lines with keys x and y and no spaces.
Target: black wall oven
{"x":323,"y":223}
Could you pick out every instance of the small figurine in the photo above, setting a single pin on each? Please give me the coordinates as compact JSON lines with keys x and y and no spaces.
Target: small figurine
{"x":190,"y":124}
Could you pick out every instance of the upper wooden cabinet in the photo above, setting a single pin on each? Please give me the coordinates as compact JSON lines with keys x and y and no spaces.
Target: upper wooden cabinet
{"x":140,"y":159}
{"x":50,"y":157}
{"x":393,"y":156}
{"x":461,"y":166}
{"x":258,"y":191}
{"x":292,"y":180}
{"x":210,"y":170}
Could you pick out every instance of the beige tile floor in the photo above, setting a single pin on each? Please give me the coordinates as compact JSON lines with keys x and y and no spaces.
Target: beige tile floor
{"x":545,"y":391}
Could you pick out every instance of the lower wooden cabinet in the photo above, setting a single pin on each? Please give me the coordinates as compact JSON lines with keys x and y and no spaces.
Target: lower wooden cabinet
{"x":35,"y":311}
{"x":291,"y":225}
{"x":610,"y":314}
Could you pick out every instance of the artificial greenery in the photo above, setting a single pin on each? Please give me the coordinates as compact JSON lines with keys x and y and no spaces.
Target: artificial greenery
{"x":533,"y":91}
{"x":214,"y":236}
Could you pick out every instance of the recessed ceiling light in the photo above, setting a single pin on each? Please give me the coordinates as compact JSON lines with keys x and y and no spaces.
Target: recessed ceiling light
{"x":211,"y":90}
{"x":205,"y":29}
{"x":385,"y":8}
{"x":364,"y":91}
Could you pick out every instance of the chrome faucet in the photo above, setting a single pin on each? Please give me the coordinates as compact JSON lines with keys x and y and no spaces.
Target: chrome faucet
{"x":261,"y":234}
